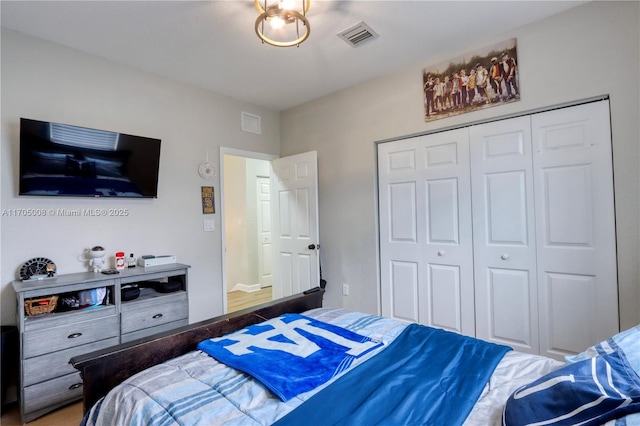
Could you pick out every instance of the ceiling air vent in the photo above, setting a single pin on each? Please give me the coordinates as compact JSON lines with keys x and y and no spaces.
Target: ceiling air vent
{"x":358,"y":34}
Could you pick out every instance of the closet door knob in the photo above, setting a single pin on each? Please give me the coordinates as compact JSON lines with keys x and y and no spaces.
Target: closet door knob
{"x":504,"y":256}
{"x":440,"y":252}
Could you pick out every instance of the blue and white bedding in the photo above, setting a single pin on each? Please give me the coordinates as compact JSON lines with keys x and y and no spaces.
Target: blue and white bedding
{"x":196,"y":389}
{"x":589,"y":392}
{"x":200,"y":390}
{"x":425,"y":373}
{"x":291,"y":354}
{"x":600,"y":385}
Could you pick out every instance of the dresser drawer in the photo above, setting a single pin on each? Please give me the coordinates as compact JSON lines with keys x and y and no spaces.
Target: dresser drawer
{"x":66,"y":336}
{"x":45,"y":367}
{"x":65,"y":388}
{"x":146,"y":332}
{"x":141,"y":314}
{"x":65,"y":318}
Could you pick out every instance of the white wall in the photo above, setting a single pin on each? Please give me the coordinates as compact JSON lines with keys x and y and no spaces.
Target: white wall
{"x":587,"y":51}
{"x":48,"y":82}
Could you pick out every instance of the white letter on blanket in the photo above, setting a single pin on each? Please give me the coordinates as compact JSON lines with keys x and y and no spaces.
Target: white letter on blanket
{"x":355,"y":348}
{"x":299,"y":345}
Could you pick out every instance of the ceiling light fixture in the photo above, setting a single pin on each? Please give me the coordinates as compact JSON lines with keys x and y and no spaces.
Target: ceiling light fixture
{"x":273,"y":26}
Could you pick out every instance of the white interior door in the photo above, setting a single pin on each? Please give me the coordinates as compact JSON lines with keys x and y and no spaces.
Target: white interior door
{"x":575,"y":228}
{"x":265,"y":255}
{"x":504,"y":233}
{"x":425,"y":231}
{"x":294,"y":201}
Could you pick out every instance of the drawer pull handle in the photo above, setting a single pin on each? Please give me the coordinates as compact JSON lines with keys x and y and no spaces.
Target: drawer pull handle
{"x":75,"y":386}
{"x":74,"y":335}
{"x":156,"y":316}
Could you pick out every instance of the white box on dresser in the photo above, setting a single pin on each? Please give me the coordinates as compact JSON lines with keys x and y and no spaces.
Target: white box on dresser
{"x":48,"y":341}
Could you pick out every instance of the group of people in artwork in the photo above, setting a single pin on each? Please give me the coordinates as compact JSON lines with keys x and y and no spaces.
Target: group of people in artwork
{"x":480,"y":86}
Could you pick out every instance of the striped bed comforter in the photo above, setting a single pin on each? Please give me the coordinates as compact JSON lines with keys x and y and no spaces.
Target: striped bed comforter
{"x":195,"y":389}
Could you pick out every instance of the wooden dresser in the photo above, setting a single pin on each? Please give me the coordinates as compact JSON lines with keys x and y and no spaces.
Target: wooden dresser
{"x":49,"y":340}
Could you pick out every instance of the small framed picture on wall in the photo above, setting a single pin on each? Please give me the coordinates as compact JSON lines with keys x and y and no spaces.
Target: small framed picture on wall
{"x":208,"y":200}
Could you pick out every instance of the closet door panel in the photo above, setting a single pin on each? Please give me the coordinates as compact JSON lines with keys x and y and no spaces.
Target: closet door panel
{"x":567,"y":201}
{"x":402,"y":212}
{"x":445,"y":297}
{"x":575,"y":228}
{"x":509,"y":303}
{"x":506,"y":208}
{"x":443,"y":237}
{"x":447,"y":251}
{"x":400,"y":245}
{"x":404,"y":239}
{"x":504,"y":233}
{"x":425,"y":231}
{"x":442,"y":211}
{"x":404,"y":290}
{"x":564,"y":291}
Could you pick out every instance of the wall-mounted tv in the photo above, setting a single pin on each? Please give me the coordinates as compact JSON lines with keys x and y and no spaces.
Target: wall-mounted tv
{"x":63,"y":160}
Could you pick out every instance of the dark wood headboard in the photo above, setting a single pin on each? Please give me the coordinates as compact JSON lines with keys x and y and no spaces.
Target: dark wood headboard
{"x":102,"y":370}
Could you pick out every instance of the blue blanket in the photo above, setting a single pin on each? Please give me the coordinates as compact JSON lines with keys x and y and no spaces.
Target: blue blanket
{"x":426,"y":376}
{"x":291,"y":354}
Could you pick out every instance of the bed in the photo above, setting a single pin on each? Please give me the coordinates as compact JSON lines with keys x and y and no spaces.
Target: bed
{"x":367,"y":370}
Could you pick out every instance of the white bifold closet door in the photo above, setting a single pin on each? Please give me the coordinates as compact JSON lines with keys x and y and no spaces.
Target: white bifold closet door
{"x":527,"y":205}
{"x":425,"y":231}
{"x":504,"y":236}
{"x":544,"y":230}
{"x":575,"y":228}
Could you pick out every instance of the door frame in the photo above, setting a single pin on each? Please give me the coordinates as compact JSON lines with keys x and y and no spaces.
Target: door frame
{"x":238,"y":153}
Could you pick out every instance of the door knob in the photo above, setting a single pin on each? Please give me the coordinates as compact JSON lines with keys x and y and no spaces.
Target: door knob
{"x":312,"y":247}
{"x":504,"y":256}
{"x":440,"y":252}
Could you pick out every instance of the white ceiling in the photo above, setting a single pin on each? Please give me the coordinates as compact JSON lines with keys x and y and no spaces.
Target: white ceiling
{"x":212,"y":44}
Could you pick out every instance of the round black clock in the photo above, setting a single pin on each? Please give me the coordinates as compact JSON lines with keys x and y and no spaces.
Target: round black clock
{"x":38,"y":266}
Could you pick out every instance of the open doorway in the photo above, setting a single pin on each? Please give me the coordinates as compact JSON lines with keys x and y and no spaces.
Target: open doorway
{"x":284,"y":257}
{"x":247,"y":229}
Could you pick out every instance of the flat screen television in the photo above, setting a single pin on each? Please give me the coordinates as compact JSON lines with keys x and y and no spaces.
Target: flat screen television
{"x":63,"y":160}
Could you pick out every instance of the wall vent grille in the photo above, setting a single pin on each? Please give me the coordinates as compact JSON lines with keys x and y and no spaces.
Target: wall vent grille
{"x":250,"y":123}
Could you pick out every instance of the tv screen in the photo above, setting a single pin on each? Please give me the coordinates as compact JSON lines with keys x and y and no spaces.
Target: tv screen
{"x":63,"y":160}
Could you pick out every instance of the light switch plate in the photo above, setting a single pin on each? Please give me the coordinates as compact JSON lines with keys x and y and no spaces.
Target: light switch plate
{"x":209,"y":226}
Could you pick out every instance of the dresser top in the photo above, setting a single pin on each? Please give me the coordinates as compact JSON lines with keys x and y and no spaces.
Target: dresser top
{"x":88,"y":277}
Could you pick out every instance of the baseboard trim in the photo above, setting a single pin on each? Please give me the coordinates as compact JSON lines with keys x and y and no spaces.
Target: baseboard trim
{"x":247,"y":288}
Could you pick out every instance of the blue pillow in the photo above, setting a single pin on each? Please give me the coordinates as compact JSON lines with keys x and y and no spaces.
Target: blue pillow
{"x":627,"y":341}
{"x":588,"y":392}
